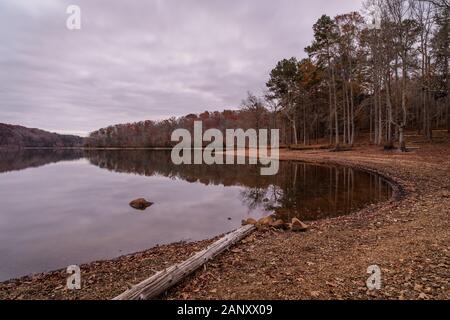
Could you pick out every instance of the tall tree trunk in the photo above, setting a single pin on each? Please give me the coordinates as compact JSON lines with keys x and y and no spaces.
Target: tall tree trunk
{"x":380,"y":119}
{"x":370,"y":121}
{"x":294,"y":131}
{"x":348,"y":117}
{"x":330,"y":94}
{"x":397,"y":81}
{"x":304,"y":125}
{"x":344,"y":113}
{"x":448,"y":113}
{"x":389,"y":110}
{"x":375,"y":117}
{"x":336,"y":120}
{"x":403,"y":124}
{"x":352,"y":114}
{"x":330,"y":124}
{"x":402,"y":139}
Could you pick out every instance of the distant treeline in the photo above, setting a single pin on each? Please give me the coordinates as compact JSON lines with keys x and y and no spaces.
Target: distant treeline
{"x":12,"y":136}
{"x":158,"y":133}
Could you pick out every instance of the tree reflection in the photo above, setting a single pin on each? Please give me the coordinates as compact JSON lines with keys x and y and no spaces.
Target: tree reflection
{"x":20,"y":159}
{"x":301,"y":190}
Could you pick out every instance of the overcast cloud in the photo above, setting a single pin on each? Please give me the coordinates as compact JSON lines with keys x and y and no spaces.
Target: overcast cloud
{"x":143,"y":59}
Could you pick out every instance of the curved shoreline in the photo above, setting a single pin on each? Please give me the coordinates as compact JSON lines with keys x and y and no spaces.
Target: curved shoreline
{"x":226,"y":280}
{"x":398,"y":190}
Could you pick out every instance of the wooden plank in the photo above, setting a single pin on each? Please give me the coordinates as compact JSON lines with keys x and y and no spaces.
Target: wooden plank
{"x":163,"y":280}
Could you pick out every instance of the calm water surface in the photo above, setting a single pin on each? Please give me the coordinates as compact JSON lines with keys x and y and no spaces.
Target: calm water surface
{"x":59,"y":208}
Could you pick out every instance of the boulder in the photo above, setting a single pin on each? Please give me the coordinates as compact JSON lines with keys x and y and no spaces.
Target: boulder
{"x":249,"y":221}
{"x":298,"y":226}
{"x":266,"y":221}
{"x":191,"y":179}
{"x":140,"y":204}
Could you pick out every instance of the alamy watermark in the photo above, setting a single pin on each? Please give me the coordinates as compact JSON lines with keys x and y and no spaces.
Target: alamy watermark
{"x":73,"y":22}
{"x":190,"y":149}
{"x":374,"y":281}
{"x":74,"y":280}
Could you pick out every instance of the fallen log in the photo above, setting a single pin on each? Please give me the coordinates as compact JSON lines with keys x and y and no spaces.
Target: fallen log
{"x":163,"y":280}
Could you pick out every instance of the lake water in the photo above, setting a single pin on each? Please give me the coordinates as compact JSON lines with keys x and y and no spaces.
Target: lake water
{"x":59,"y":208}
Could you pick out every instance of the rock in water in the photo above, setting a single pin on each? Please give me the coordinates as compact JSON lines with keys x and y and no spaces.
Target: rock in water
{"x":298,"y":226}
{"x":140,"y":204}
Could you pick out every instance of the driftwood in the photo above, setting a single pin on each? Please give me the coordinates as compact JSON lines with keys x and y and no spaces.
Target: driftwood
{"x":165,"y":279}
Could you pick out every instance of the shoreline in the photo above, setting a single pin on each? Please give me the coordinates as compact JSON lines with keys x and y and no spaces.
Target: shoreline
{"x":221,"y":280}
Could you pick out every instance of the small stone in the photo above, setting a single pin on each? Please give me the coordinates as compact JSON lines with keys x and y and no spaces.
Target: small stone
{"x":279,"y":224}
{"x":298,"y":226}
{"x":266,"y":221}
{"x":423,"y":296}
{"x":315,"y":294}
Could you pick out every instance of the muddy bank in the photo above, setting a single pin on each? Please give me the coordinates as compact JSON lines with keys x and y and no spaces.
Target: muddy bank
{"x":408,"y":237}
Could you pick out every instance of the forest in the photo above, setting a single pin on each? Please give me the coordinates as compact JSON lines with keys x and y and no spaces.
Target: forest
{"x":380,"y":73}
{"x":18,"y":137}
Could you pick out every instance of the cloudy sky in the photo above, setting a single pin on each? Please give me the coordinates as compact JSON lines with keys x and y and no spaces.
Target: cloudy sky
{"x":143,"y":59}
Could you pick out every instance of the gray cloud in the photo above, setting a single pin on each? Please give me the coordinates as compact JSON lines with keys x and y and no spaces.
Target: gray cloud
{"x":138,"y":59}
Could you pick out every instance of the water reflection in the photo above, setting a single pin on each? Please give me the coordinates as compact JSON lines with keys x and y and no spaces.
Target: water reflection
{"x":14,"y":160}
{"x":306,"y":191}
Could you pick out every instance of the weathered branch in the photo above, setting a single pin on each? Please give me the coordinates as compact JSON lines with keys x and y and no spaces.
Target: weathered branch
{"x":165,"y":279}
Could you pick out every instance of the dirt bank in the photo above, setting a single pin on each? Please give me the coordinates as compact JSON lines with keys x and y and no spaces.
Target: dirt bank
{"x":409,"y":238}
